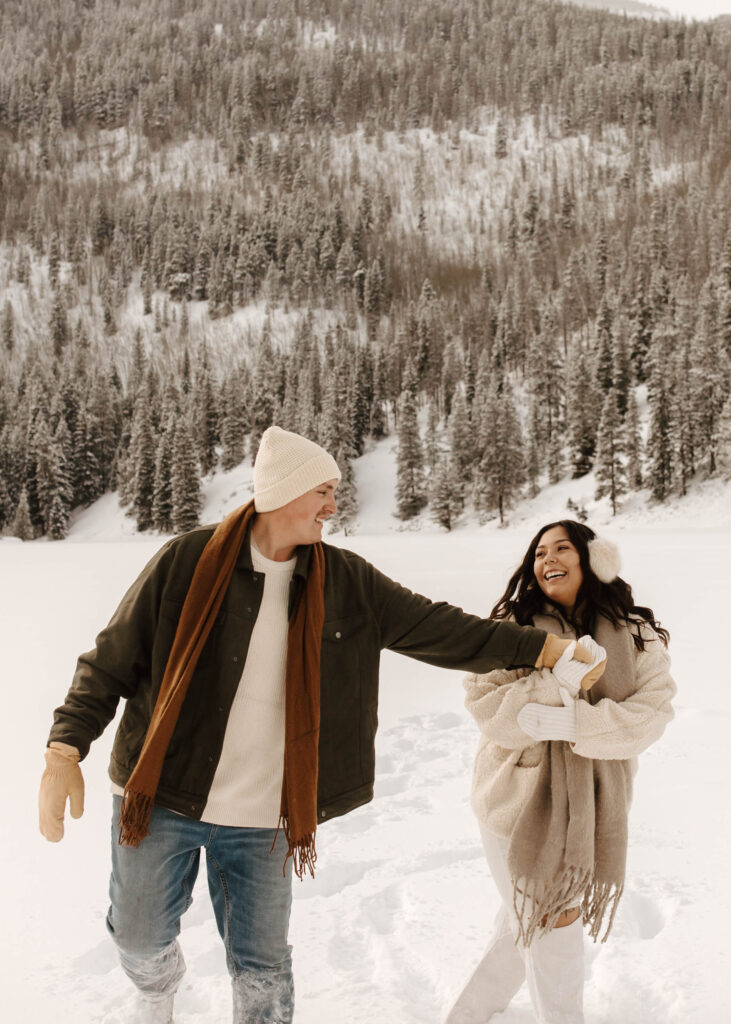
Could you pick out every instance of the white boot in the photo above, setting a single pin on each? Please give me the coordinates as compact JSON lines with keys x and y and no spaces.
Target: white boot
{"x":154,"y":1009}
{"x":495,"y":980}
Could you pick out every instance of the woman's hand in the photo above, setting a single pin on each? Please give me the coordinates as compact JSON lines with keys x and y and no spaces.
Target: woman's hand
{"x":574,"y":672}
{"x":541,"y":722}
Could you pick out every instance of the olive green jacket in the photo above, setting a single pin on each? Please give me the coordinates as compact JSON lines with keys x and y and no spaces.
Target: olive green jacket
{"x":365,"y":612}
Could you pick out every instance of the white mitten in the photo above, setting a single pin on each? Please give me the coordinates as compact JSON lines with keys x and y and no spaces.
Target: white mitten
{"x":572,"y":674}
{"x":542,"y":722}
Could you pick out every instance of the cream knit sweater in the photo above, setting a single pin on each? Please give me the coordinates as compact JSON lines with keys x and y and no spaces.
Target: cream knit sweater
{"x":507,"y":759}
{"x":247,"y":788}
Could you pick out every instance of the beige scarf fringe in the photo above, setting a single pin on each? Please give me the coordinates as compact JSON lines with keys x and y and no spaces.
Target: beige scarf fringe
{"x":538,"y":911}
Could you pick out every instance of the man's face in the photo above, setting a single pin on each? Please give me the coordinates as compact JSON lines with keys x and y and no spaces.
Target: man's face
{"x":301,"y":520}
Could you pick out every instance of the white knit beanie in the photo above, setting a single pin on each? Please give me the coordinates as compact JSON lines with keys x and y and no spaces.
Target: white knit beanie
{"x":286,"y":466}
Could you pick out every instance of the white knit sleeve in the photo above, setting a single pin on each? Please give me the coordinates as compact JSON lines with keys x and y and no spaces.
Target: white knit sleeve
{"x":610,"y":730}
{"x":494,"y":700}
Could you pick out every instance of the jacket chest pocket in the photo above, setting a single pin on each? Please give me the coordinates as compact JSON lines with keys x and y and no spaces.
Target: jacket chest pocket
{"x":342,"y":643}
{"x":342,"y":712}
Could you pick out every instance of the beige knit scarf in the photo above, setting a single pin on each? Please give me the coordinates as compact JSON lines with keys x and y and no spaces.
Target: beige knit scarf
{"x":207,"y":589}
{"x":568,"y":846}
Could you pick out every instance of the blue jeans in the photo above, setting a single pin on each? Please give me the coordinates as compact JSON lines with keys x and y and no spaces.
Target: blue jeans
{"x":151,"y":887}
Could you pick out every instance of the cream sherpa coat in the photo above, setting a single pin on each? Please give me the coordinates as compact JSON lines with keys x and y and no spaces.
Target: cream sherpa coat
{"x":507,"y":759}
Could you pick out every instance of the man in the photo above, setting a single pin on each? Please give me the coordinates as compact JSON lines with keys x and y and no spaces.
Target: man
{"x":248,"y":656}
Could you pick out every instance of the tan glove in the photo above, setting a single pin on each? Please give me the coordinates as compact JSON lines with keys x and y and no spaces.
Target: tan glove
{"x":554,"y":647}
{"x":61,"y":780}
{"x":572,"y":674}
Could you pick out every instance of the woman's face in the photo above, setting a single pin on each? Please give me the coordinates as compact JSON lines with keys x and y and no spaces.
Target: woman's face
{"x":557,"y":568}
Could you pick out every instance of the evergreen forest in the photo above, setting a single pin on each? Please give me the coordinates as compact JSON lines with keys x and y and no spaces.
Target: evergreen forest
{"x":497,"y":230}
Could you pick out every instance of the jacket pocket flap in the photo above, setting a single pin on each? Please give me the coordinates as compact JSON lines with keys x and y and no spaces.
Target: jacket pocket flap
{"x":345,"y":628}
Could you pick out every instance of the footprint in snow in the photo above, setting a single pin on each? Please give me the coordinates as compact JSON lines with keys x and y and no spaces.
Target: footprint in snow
{"x":648,"y":906}
{"x":382,"y":909}
{"x":423,"y":738}
{"x":333,"y":878}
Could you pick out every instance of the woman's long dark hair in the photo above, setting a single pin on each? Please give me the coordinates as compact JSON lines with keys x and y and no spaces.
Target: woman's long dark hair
{"x":523,"y":598}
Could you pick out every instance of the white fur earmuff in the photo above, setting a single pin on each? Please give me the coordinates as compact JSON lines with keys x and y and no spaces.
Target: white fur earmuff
{"x":604,"y":559}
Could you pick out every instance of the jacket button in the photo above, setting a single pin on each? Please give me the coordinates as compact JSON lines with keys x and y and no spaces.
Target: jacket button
{"x":235,"y":657}
{"x":338,"y":635}
{"x":323,"y":814}
{"x":220,"y":708}
{"x":192,"y":807}
{"x":210,"y":760}
{"x":255,"y":577}
{"x":248,"y":610}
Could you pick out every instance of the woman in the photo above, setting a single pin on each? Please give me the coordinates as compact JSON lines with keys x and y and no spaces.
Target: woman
{"x":553,"y":775}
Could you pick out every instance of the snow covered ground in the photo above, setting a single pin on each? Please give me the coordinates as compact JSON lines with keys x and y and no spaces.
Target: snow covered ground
{"x":402,"y":903}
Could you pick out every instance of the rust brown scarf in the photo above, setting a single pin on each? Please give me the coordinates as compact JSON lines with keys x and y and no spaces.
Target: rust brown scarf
{"x":302,"y":701}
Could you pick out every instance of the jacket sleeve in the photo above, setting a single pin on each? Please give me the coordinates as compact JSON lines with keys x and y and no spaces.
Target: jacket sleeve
{"x":494,"y":700}
{"x":443,"y":635}
{"x":118,"y":662}
{"x":610,"y":730}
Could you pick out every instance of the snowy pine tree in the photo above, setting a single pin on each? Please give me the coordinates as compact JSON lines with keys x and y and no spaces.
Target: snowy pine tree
{"x":185,"y":479}
{"x":723,"y":439}
{"x":58,"y":326}
{"x":547,"y":382}
{"x":235,"y":425}
{"x":7,"y":330}
{"x":21,"y":526}
{"x":621,"y":366}
{"x":57,"y":523}
{"x":610,"y":469}
{"x":377,"y":420}
{"x":583,"y":407}
{"x":604,"y":347}
{"x":162,"y":500}
{"x":205,"y":416}
{"x":683,"y":415}
{"x":633,"y":444}
{"x":710,"y":381}
{"x":659,"y":453}
{"x":501,"y":472}
{"x":461,"y":440}
{"x":85,"y":471}
{"x":441,"y":491}
{"x":142,"y":464}
{"x":431,"y":438}
{"x":54,"y":486}
{"x":346,"y":497}
{"x":410,"y":482}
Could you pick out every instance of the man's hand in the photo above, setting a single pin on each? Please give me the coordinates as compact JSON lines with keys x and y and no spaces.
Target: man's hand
{"x":62,"y":780}
{"x":554,"y":647}
{"x":572,"y":674}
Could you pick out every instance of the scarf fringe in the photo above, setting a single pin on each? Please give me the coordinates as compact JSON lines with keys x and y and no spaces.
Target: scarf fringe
{"x":304,"y":856}
{"x":302,"y":851}
{"x":597,"y":901}
{"x":134,"y":819}
{"x":538,"y":906}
